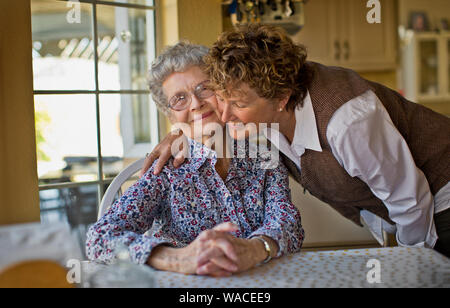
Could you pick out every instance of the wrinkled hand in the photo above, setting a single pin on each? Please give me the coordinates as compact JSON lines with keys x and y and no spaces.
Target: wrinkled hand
{"x":226,"y":254}
{"x":190,"y":254}
{"x":163,"y":151}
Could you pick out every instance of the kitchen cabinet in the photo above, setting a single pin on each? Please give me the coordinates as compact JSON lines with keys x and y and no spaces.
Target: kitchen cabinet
{"x":320,"y":32}
{"x":426,"y":69}
{"x":336,"y":32}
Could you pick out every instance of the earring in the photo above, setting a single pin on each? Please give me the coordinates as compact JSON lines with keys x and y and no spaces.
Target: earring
{"x":281,"y":109}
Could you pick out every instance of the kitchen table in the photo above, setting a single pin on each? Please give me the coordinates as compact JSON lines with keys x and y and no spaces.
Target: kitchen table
{"x":361,"y":268}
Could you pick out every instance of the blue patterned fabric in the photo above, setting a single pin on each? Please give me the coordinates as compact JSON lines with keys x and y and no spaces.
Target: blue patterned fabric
{"x":174,"y":207}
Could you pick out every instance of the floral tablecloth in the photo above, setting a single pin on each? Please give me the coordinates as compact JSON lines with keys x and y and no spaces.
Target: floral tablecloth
{"x":371,"y":268}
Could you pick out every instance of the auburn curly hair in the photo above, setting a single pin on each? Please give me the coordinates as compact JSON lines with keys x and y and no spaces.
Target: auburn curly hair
{"x":265,"y":58}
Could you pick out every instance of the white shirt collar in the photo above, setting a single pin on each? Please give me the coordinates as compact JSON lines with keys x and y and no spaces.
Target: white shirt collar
{"x":306,"y":135}
{"x":281,"y":142}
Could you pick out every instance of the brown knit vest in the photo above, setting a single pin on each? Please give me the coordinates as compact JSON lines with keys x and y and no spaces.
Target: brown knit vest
{"x":426,"y":132}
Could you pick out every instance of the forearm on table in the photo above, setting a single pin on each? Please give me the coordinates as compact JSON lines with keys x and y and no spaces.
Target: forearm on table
{"x":165,"y":258}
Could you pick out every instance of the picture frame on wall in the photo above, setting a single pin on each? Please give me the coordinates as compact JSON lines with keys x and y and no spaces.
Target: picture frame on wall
{"x":418,"y":21}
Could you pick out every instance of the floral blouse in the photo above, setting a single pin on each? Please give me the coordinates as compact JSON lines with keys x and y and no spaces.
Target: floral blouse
{"x":174,"y":207}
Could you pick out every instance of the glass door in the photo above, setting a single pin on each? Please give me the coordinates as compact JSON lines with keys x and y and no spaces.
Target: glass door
{"x":428,"y":67}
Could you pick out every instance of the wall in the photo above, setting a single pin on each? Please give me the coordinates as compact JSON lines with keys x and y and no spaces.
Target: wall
{"x":167,"y":23}
{"x":323,"y":226}
{"x":198,"y":21}
{"x":386,"y":78}
{"x":19,"y":198}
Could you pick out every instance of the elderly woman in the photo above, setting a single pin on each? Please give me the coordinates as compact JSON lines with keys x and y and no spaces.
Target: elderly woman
{"x":214,"y":215}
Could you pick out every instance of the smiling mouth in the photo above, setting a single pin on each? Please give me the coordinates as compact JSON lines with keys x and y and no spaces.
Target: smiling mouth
{"x":237,"y":125}
{"x":203,"y":116}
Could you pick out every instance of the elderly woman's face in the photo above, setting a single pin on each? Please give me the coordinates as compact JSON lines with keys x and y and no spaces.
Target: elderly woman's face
{"x":188,"y":85}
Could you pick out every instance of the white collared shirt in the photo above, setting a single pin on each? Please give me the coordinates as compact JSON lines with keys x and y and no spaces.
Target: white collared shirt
{"x":367,"y":144}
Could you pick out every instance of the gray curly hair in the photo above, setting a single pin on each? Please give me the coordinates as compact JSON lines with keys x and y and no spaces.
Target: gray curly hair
{"x":174,"y":59}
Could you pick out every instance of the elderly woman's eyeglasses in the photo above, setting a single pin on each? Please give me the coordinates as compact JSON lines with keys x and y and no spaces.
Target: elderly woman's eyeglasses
{"x":182,"y":100}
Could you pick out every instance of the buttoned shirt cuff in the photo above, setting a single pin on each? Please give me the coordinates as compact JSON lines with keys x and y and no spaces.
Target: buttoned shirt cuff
{"x":141,"y":250}
{"x":430,"y":242}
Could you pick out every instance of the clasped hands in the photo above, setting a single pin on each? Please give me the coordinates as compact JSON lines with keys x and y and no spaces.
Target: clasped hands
{"x":214,"y":252}
{"x":217,"y":253}
{"x":221,"y":254}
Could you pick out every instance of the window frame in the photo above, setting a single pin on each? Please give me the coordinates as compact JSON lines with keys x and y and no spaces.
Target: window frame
{"x":131,"y":149}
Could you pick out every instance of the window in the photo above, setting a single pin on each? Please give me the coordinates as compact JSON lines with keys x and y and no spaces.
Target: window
{"x":94,"y":115}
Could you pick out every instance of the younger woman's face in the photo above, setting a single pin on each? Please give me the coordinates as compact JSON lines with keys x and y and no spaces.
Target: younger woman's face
{"x":245,"y":110}
{"x":201,"y":111}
